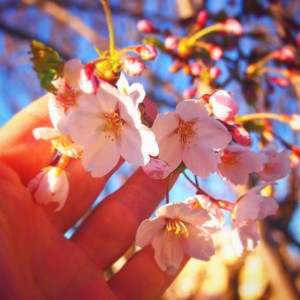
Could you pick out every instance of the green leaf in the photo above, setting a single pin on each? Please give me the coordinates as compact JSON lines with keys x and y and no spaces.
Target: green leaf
{"x":46,"y":63}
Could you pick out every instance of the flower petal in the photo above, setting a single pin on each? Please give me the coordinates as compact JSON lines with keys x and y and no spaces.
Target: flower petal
{"x":101,"y":157}
{"x":244,"y":236}
{"x":165,"y":125}
{"x":198,"y":245}
{"x":211,"y":133}
{"x":147,"y":230}
{"x":189,"y":110}
{"x":202,"y":162}
{"x":168,"y":253}
{"x":170,"y":151}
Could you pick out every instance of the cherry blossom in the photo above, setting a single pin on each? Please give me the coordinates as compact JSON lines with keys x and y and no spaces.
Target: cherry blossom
{"x":108,"y":126}
{"x":276,"y":164}
{"x":176,"y":231}
{"x":205,"y":202}
{"x":250,"y":208}
{"x":190,"y":135}
{"x":237,"y":162}
{"x":51,"y":185}
{"x":223,"y":105}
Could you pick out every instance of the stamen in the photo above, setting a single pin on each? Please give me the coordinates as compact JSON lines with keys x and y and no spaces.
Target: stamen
{"x":114,"y":125}
{"x":175,"y":228}
{"x":186,"y":132}
{"x":66,"y":96}
{"x":230,"y":159}
{"x":65,"y":145}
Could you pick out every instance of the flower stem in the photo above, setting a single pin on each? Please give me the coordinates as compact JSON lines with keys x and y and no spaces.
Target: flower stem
{"x":263,"y":115}
{"x":201,"y":33}
{"x":112,"y":48}
{"x":168,"y":187}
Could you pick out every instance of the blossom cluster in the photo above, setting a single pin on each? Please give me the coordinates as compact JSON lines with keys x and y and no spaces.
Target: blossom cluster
{"x":100,"y":119}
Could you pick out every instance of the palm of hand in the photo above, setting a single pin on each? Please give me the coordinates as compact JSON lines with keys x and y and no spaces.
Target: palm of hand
{"x":37,"y":261}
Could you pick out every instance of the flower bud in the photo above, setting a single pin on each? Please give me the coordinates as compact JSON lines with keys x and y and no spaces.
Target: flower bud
{"x":214,"y":72}
{"x":87,"y":80}
{"x":285,"y":54}
{"x":157,"y":169}
{"x":239,"y":134}
{"x":294,"y":121}
{"x":223,"y":105}
{"x":195,"y":69}
{"x":201,"y":18}
{"x":280,"y":81}
{"x":133,"y":66}
{"x":189,"y":93}
{"x":215,"y":52}
{"x":147,"y":51}
{"x":171,"y":42}
{"x":232,"y":26}
{"x":145,"y":26}
{"x":51,"y":185}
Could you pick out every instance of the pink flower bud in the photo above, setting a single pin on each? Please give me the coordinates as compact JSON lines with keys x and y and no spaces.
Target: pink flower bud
{"x":214,"y":72}
{"x":87,"y":81}
{"x":157,"y":169}
{"x":294,"y":121}
{"x":133,"y":66}
{"x":286,"y":53}
{"x":201,"y":18}
{"x":239,"y":134}
{"x":215,"y":52}
{"x":145,"y":26}
{"x":51,"y":185}
{"x":223,"y":105}
{"x":280,"y":81}
{"x":233,"y":26}
{"x":195,"y":69}
{"x":147,"y":52}
{"x":171,"y":42}
{"x":189,"y":93}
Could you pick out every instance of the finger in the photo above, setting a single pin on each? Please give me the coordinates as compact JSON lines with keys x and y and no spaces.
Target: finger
{"x":141,"y":278}
{"x":19,"y":149}
{"x":27,"y":156}
{"x":110,"y":229}
{"x":83,"y":191}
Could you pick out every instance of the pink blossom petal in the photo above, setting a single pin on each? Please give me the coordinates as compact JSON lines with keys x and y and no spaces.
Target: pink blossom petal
{"x":197,"y":217}
{"x":173,"y":210}
{"x":132,"y":140}
{"x":170,"y":151}
{"x":211,"y":134}
{"x":268,"y":206}
{"x":197,"y":245}
{"x":168,"y":253}
{"x":71,"y":72}
{"x":147,"y":230}
{"x":191,"y":109}
{"x":244,"y":236}
{"x":100,"y":158}
{"x":165,"y":125}
{"x":248,"y":208}
{"x":200,"y":161}
{"x":88,"y":126}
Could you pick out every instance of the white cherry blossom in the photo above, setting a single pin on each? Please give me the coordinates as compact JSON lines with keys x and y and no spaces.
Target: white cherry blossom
{"x":190,"y":135}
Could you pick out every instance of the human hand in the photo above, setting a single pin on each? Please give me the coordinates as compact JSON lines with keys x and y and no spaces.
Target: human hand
{"x":37,"y":261}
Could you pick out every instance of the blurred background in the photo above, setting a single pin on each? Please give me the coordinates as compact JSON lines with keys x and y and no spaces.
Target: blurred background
{"x":72,"y":27}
